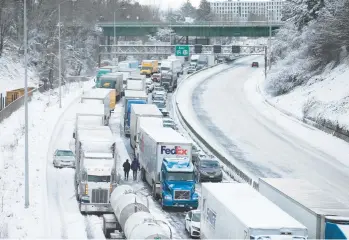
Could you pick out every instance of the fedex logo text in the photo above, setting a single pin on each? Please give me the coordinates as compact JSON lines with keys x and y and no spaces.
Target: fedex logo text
{"x":177,"y":150}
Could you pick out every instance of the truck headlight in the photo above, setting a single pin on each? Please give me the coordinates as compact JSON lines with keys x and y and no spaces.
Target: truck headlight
{"x":168,"y":197}
{"x":196,"y":228}
{"x":195,"y":196}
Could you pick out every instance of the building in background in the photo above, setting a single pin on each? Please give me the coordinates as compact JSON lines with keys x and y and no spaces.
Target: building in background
{"x":247,"y":10}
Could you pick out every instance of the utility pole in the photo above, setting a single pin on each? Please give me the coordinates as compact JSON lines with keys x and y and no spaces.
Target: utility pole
{"x":269,"y":42}
{"x":26,"y":171}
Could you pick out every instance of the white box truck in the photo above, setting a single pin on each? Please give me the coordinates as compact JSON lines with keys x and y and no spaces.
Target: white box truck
{"x":136,"y":82}
{"x":165,"y":159}
{"x":322,"y":214}
{"x":95,"y":174}
{"x":237,"y":211}
{"x":173,"y":66}
{"x":137,"y":111}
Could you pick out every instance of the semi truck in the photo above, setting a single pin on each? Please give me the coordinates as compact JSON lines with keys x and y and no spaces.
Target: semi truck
{"x":211,"y":59}
{"x":95,"y":175}
{"x":111,"y":81}
{"x":237,"y":211}
{"x":323,"y":215}
{"x":132,"y":97}
{"x":165,"y":160}
{"x":101,"y":96}
{"x":138,"y":111}
{"x":149,"y":67}
{"x":169,"y":81}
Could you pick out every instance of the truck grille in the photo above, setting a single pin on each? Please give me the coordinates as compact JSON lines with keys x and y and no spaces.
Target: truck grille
{"x":182,"y":195}
{"x":99,"y":195}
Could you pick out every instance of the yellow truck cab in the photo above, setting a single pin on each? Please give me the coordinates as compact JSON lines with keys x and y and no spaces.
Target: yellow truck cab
{"x":149,"y":67}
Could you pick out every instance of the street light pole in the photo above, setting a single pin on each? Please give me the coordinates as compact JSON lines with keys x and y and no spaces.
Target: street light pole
{"x":269,"y":42}
{"x":59,"y":56}
{"x":26,"y":172}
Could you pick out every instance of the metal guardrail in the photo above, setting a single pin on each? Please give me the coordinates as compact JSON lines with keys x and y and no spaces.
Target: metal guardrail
{"x":19,"y":102}
{"x":195,"y":24}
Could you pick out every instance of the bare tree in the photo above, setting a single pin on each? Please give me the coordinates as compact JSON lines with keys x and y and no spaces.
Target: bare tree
{"x":6,"y":20}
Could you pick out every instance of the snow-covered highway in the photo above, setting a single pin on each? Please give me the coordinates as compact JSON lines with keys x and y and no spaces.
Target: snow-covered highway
{"x":225,"y":106}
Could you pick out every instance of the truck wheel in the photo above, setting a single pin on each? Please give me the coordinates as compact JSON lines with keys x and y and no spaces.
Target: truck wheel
{"x":155,"y":195}
{"x":162,"y":204}
{"x":143,"y":174}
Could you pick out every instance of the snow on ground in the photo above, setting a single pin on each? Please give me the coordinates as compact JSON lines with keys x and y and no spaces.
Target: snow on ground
{"x":33,"y":222}
{"x":12,"y":74}
{"x":325,"y":96}
{"x":256,"y":137}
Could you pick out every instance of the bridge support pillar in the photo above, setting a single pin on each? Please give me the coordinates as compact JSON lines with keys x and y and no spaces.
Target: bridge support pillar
{"x":187,"y":40}
{"x":109,"y":43}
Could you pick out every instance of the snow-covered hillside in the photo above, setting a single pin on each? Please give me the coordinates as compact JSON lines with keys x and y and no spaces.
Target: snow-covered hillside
{"x":324,"y":97}
{"x":12,"y":73}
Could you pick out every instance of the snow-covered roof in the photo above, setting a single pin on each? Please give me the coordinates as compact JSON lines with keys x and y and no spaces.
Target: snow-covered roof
{"x":308,"y":195}
{"x":99,"y":93}
{"x":101,"y":133}
{"x":134,"y":84}
{"x":178,"y":165}
{"x":153,"y":121}
{"x":135,"y":94}
{"x":136,"y":76}
{"x":90,"y":121}
{"x":115,"y":76}
{"x":146,"y":110}
{"x":252,"y":208}
{"x":165,"y":135}
{"x":98,"y":167}
{"x":90,"y":108}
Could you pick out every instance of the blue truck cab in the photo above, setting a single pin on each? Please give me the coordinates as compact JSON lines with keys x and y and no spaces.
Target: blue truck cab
{"x":177,"y":183}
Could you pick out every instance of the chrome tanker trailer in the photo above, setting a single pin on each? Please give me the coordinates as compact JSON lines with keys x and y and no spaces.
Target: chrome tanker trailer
{"x":132,"y":217}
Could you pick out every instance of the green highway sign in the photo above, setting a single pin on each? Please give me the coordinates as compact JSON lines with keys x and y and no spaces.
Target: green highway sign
{"x":182,"y":50}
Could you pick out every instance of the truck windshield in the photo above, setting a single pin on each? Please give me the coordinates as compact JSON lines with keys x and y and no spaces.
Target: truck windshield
{"x":146,"y":68}
{"x":165,"y":69}
{"x":94,"y":178}
{"x":209,"y":164}
{"x":180,"y":176}
{"x":106,"y":84}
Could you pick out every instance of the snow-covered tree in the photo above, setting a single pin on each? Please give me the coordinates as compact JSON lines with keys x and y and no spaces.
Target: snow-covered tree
{"x":204,"y":11}
{"x":188,"y":10}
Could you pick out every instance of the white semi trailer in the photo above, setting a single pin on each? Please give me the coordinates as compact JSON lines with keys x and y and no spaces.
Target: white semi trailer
{"x":237,"y":211}
{"x":141,"y":110}
{"x":323,"y":215}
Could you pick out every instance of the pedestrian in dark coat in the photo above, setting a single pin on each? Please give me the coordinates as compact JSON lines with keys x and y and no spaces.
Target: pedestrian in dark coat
{"x":127,"y":167}
{"x":135,"y":166}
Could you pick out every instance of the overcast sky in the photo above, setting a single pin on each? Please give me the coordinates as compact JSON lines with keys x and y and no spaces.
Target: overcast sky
{"x":164,"y":4}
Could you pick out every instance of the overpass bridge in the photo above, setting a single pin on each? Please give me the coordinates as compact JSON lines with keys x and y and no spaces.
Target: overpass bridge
{"x":197,"y":29}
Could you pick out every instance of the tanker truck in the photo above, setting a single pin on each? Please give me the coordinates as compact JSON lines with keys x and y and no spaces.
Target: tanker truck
{"x":132,"y":217}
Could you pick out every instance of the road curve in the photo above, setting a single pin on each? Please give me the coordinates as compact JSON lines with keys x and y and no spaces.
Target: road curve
{"x":256,"y":137}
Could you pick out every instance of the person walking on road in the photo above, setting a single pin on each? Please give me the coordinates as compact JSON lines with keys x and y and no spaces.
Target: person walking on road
{"x":127,"y":167}
{"x":135,"y":167}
